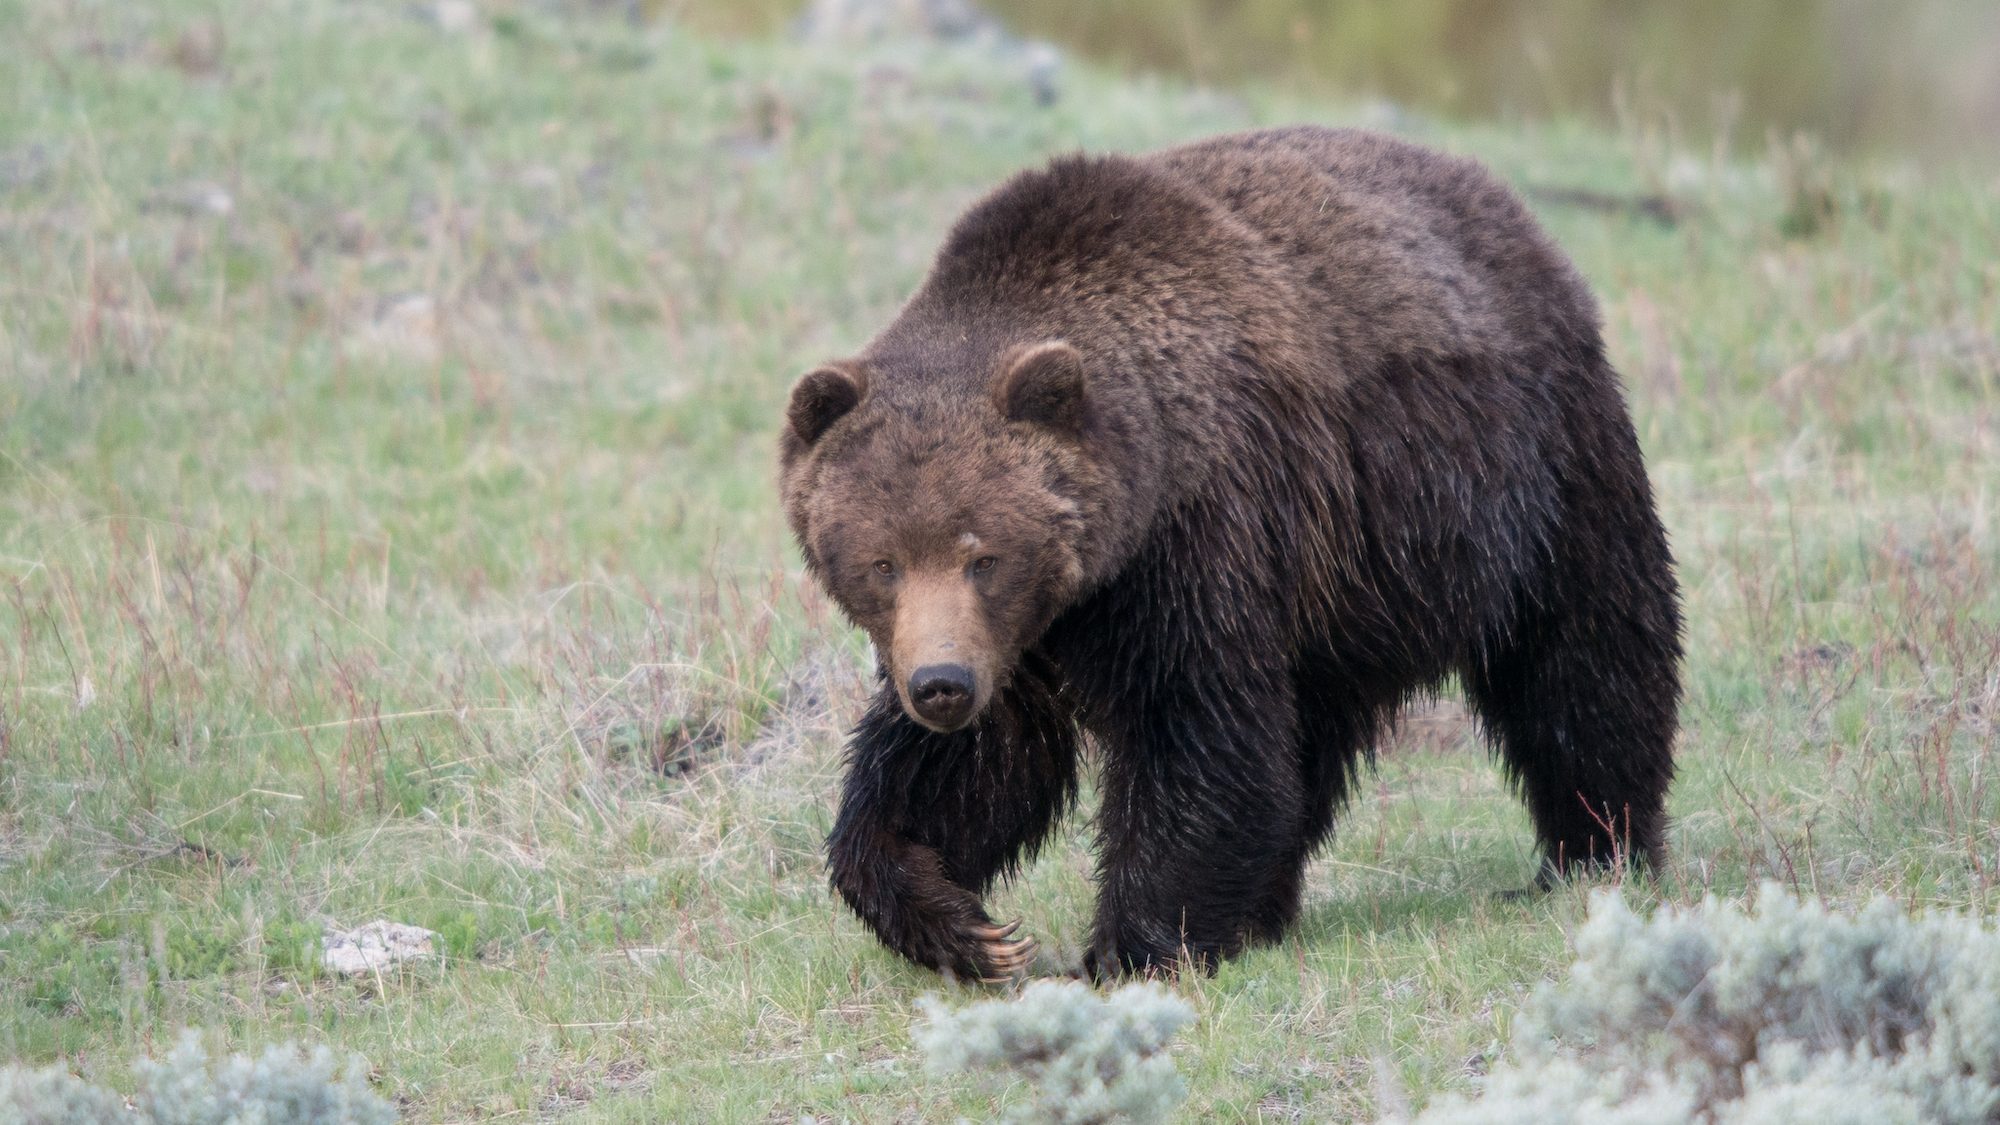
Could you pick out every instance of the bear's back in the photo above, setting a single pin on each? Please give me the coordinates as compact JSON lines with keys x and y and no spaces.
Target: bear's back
{"x":1395,"y":248}
{"x":1331,"y":253}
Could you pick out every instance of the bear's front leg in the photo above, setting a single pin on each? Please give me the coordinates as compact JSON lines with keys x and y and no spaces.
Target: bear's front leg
{"x":927,"y":822}
{"x":1202,"y":823}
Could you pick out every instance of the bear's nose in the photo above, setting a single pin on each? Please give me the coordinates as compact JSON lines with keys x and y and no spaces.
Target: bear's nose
{"x":942,"y":694}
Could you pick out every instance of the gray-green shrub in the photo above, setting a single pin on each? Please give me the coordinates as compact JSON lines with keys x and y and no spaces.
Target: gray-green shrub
{"x":50,"y":1095}
{"x":285,"y":1085}
{"x":1088,"y":1057}
{"x":1790,"y":1011}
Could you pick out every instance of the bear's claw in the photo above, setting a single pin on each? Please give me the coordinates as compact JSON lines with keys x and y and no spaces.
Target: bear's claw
{"x":1007,"y":957}
{"x":990,"y":933}
{"x":1009,"y":960}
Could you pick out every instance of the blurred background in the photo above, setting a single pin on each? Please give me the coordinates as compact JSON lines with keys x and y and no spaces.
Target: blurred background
{"x":1915,"y":78}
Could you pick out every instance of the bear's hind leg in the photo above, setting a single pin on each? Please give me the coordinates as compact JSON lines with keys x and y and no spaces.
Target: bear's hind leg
{"x":928,"y":821}
{"x":1582,"y":698}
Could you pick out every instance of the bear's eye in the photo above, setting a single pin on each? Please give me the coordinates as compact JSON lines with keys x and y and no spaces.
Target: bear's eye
{"x":884,"y":567}
{"x":984,"y":564}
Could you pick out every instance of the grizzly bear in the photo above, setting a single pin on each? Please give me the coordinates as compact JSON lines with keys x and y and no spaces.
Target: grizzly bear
{"x":1219,"y":455}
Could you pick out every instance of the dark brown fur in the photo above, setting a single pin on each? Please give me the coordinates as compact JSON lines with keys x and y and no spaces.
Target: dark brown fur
{"x":1220,"y":454}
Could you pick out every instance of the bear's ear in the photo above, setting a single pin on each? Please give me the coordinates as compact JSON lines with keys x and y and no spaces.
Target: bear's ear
{"x":822,"y":397}
{"x":1043,"y":384}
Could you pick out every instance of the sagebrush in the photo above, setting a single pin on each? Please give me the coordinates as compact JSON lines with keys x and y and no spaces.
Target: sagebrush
{"x":1788,"y":1011}
{"x":285,"y":1085}
{"x":1086,"y":1057}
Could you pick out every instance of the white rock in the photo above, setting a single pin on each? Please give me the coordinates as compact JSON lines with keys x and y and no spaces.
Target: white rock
{"x":210,"y":199}
{"x":456,"y":15}
{"x":376,"y":946}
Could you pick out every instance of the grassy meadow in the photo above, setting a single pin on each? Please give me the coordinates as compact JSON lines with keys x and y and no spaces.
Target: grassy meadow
{"x":387,"y":530}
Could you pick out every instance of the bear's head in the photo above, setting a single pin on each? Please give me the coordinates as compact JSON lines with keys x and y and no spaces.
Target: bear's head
{"x":944,"y":514}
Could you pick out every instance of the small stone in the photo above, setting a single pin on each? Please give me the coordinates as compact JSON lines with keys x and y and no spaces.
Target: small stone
{"x":375,"y":946}
{"x":455,"y":15}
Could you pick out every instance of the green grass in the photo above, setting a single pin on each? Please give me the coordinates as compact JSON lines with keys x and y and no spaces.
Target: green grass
{"x":387,"y":530}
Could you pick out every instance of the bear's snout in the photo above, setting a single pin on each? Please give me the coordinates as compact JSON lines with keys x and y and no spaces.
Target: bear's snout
{"x":942,"y":695}
{"x":941,"y":653}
